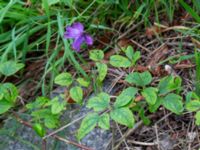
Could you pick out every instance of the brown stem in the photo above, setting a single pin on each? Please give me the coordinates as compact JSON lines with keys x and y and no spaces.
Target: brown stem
{"x":27,"y":124}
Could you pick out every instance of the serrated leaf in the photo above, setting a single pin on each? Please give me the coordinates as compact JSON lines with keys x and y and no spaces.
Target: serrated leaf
{"x":125,"y":97}
{"x":39,"y":129}
{"x":83,"y":82}
{"x":9,"y":68}
{"x":100,"y":102}
{"x":193,"y":105}
{"x":51,"y":121}
{"x":191,"y":96}
{"x":9,"y":92}
{"x":144,"y":118}
{"x":76,"y":94}
{"x":197,"y":118}
{"x":136,"y":57}
{"x":57,"y":106}
{"x":139,"y":79}
{"x":87,"y":125}
{"x":39,"y":102}
{"x":129,"y":52}
{"x":153,"y":108}
{"x":64,"y":79}
{"x":104,"y":121}
{"x":119,"y":61}
{"x":168,"y":84}
{"x":123,"y":116}
{"x":150,"y":95}
{"x":102,"y":71}
{"x":173,"y":103}
{"x":96,"y":55}
{"x":5,"y":106}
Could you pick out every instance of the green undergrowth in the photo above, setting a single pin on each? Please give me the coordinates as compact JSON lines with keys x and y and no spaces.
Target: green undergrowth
{"x":34,"y":31}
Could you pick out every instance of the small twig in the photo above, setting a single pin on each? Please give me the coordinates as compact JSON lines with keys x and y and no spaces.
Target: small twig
{"x":142,"y":143}
{"x":122,"y":135}
{"x":130,"y":131}
{"x":139,"y":45}
{"x":53,"y":135}
{"x":157,"y":138}
{"x":63,"y":127}
{"x":44,"y":144}
{"x":130,"y":29}
{"x":71,"y":142}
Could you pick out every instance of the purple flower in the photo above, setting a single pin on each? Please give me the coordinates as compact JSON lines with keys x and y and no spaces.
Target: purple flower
{"x":76,"y":32}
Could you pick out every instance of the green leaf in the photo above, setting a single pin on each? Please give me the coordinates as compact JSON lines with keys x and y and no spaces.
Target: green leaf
{"x":150,"y":95}
{"x":119,"y":61}
{"x":168,"y":84}
{"x":38,"y":103}
{"x":104,"y":121}
{"x":9,"y":92}
{"x":100,"y":102}
{"x":83,"y":82}
{"x":102,"y":71}
{"x":190,"y":10}
{"x":139,"y":79}
{"x":123,"y":116}
{"x":57,"y":106}
{"x":87,"y":125}
{"x":173,"y":103}
{"x":9,"y":68}
{"x":51,"y":121}
{"x":76,"y":94}
{"x":193,"y":105}
{"x":125,"y":97}
{"x":96,"y":55}
{"x":153,"y":108}
{"x":191,"y":96}
{"x":64,"y":79}
{"x":144,"y":118}
{"x":5,"y":106}
{"x":129,"y":52}
{"x":39,"y":129}
{"x":136,"y":57}
{"x":197,"y":118}
{"x":41,"y":113}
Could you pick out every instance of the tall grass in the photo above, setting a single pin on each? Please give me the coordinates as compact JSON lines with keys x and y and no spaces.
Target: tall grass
{"x":40,"y":26}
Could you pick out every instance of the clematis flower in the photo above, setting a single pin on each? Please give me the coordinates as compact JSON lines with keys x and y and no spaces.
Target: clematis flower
{"x":76,"y":32}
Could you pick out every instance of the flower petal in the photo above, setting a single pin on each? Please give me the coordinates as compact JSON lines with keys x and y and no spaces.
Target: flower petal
{"x":74,"y":31}
{"x":88,"y":39}
{"x":76,"y":45}
{"x":78,"y":26}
